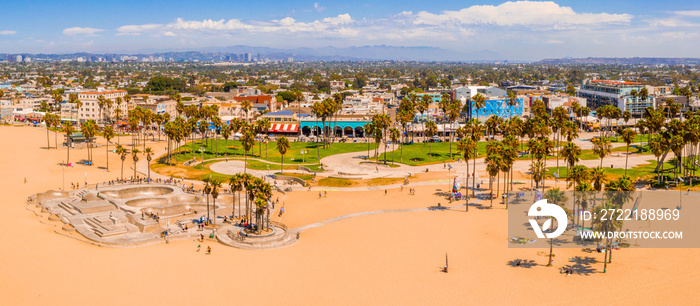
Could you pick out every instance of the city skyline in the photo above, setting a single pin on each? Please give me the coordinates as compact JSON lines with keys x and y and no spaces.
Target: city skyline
{"x":523,"y":30}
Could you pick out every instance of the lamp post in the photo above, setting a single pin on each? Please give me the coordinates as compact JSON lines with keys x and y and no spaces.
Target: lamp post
{"x":303,"y":159}
{"x":64,"y":176}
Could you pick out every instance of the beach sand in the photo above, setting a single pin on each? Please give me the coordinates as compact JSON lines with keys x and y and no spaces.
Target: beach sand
{"x":383,"y":258}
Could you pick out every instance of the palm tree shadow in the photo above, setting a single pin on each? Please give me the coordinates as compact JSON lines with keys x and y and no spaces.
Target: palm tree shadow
{"x":524,"y":263}
{"x":583,"y":266}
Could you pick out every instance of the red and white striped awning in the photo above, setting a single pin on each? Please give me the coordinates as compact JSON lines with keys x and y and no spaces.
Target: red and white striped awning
{"x":284,"y":128}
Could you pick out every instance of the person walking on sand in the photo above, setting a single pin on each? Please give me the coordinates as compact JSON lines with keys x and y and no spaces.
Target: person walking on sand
{"x":199,"y":247}
{"x":208,"y":250}
{"x":25,"y":179}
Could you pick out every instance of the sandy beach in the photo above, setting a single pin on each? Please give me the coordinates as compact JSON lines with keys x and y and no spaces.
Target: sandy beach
{"x":390,"y":258}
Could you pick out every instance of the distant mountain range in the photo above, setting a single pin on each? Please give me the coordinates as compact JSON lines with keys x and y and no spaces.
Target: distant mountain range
{"x":620,"y":61}
{"x":363,"y":53}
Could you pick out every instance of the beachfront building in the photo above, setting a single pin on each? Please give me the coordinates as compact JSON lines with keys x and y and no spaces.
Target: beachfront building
{"x":496,"y":107}
{"x":562,"y":100}
{"x":344,"y":127}
{"x":282,"y":122}
{"x":469,"y":92}
{"x":91,"y":108}
{"x":605,"y":92}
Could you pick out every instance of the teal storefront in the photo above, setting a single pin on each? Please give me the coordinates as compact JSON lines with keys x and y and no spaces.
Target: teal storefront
{"x":341,"y":127}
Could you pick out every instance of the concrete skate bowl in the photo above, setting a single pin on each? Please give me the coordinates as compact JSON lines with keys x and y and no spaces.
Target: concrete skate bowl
{"x":134,"y":192}
{"x":50,"y":195}
{"x":171,"y":206}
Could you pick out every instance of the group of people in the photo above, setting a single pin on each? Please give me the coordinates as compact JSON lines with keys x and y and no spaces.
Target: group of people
{"x":199,"y":247}
{"x":566,"y":270}
{"x":155,"y":217}
{"x":76,"y":185}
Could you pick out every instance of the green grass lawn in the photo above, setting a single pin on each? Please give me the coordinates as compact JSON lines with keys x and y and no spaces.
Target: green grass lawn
{"x":269,"y":151}
{"x":417,"y":154}
{"x":639,"y":172}
{"x":637,"y":139}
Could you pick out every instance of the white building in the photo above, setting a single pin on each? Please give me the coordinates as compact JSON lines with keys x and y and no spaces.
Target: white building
{"x":91,"y":108}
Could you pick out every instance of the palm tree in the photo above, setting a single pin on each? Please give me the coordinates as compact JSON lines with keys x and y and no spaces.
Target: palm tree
{"x":476,"y":132}
{"x":598,"y":177}
{"x":606,"y":225}
{"x":658,"y":145}
{"x":69,"y":130}
{"x":149,"y":156}
{"x":89,"y":129}
{"x":479,"y":102}
{"x":430,"y":131}
{"x":247,"y":141}
{"x":121,"y":151}
{"x":422,"y":107}
{"x":493,"y":166}
{"x":381,"y":122}
{"x":558,"y":197}
{"x":628,"y":137}
{"x":246,"y":106}
{"x":135,"y":157}
{"x":368,"y":132}
{"x":469,"y":148}
{"x":453,"y":111}
{"x":236,"y":184}
{"x":394,"y":135}
{"x":214,"y":186}
{"x":207,"y":192}
{"x":571,"y":152}
{"x":282,"y":147}
{"x":226,"y":133}
{"x":48,"y":120}
{"x":601,"y":147}
{"x":108,"y":134}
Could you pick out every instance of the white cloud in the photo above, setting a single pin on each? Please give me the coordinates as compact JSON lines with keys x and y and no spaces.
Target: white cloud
{"x":81,"y":31}
{"x":687,"y":13}
{"x":169,"y":33}
{"x":137,"y":29}
{"x":319,"y":8}
{"x":537,"y":15}
{"x":8,"y":32}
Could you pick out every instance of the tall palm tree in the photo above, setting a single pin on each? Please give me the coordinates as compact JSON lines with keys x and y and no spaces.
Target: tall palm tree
{"x":135,"y":157}
{"x":424,"y":105}
{"x":606,"y":225}
{"x":430,"y":131}
{"x":628,"y":137}
{"x":89,"y":129}
{"x":69,"y":130}
{"x":598,"y":177}
{"x":214,"y":185}
{"x":469,"y":148}
{"x":121,"y":151}
{"x":368,"y":132}
{"x":236,"y":184}
{"x":247,"y":141}
{"x":48,"y":120}
{"x":558,"y":197}
{"x":282,"y":147}
{"x":394,"y":135}
{"x":108,"y":134}
{"x":453,"y":112}
{"x":479,"y":102}
{"x":658,"y":145}
{"x":149,"y":156}
{"x":476,"y":130}
{"x":571,"y":153}
{"x":493,"y":166}
{"x":601,"y":147}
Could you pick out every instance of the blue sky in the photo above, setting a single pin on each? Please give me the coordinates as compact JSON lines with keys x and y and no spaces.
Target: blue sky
{"x":518,"y":30}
